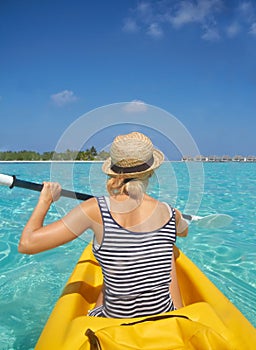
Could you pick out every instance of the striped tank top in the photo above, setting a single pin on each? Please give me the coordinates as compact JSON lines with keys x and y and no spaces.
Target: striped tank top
{"x":136,"y":267}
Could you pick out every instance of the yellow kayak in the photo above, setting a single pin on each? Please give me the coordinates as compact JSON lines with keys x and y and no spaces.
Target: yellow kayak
{"x":207,"y":321}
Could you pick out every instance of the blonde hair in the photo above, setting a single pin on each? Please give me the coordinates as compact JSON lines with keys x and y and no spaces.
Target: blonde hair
{"x":134,"y":188}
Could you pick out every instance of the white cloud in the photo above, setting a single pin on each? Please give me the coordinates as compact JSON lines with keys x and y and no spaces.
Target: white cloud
{"x":64,"y":97}
{"x":130,"y":26}
{"x":233,"y":29}
{"x":155,"y":30}
{"x":247,"y":12}
{"x":246,"y":8}
{"x":151,"y":16}
{"x":210,"y":34}
{"x":135,"y":106}
{"x":186,"y":13}
{"x":194,"y":12}
{"x":142,"y":14}
{"x":253,"y":29}
{"x":144,"y":9}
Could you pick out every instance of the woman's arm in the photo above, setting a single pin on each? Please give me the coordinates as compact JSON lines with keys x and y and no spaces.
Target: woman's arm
{"x":36,"y":237}
{"x":174,"y":286}
{"x":181,"y":224}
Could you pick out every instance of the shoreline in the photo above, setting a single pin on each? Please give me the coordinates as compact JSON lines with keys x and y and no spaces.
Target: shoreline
{"x":51,"y":161}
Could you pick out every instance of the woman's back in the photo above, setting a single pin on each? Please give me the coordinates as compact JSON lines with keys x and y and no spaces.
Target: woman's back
{"x":139,"y":216}
{"x":136,"y":265}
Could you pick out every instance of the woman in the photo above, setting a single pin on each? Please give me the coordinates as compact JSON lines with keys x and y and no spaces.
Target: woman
{"x":134,"y":233}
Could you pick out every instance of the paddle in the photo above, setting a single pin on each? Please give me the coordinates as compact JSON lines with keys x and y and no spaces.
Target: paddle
{"x":12,"y":181}
{"x":208,"y":221}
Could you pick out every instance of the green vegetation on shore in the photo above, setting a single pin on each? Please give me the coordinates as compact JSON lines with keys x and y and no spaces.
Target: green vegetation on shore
{"x":88,"y":154}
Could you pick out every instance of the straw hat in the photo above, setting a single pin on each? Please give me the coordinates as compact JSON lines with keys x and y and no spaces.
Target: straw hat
{"x":132,"y":154}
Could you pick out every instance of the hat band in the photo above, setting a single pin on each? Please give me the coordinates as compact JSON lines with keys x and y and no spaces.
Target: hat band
{"x":133,"y":169}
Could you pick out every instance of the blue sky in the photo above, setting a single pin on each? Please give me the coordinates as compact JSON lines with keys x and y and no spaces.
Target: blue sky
{"x":195,"y":59}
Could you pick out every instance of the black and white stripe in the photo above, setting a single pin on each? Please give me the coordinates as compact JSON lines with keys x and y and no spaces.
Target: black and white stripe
{"x":136,"y":267}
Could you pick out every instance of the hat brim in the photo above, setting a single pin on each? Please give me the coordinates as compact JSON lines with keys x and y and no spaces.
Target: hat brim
{"x":158,"y":157}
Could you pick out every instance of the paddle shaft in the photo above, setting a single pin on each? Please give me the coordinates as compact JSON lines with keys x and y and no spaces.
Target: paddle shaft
{"x":38,"y":187}
{"x":187,"y":217}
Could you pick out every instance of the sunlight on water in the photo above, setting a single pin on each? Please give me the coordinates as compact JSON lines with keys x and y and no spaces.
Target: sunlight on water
{"x":30,"y":285}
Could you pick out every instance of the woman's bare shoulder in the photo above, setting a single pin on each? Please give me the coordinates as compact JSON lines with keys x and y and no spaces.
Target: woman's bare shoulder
{"x":91,"y":208}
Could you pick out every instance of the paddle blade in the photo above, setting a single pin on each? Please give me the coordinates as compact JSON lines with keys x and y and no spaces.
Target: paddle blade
{"x":214,"y":221}
{"x":6,"y":180}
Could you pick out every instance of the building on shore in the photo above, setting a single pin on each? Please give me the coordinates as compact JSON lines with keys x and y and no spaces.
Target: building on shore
{"x":251,"y":159}
{"x":224,"y":158}
{"x":239,"y":158}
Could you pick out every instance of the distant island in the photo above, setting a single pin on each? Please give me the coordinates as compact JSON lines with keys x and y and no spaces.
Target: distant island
{"x":68,"y":155}
{"x":225,"y":158}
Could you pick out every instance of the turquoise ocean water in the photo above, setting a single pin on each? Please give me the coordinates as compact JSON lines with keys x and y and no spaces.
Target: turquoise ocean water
{"x":30,"y":285}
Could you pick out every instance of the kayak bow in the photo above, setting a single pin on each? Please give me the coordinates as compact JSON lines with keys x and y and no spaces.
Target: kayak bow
{"x":213,"y":317}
